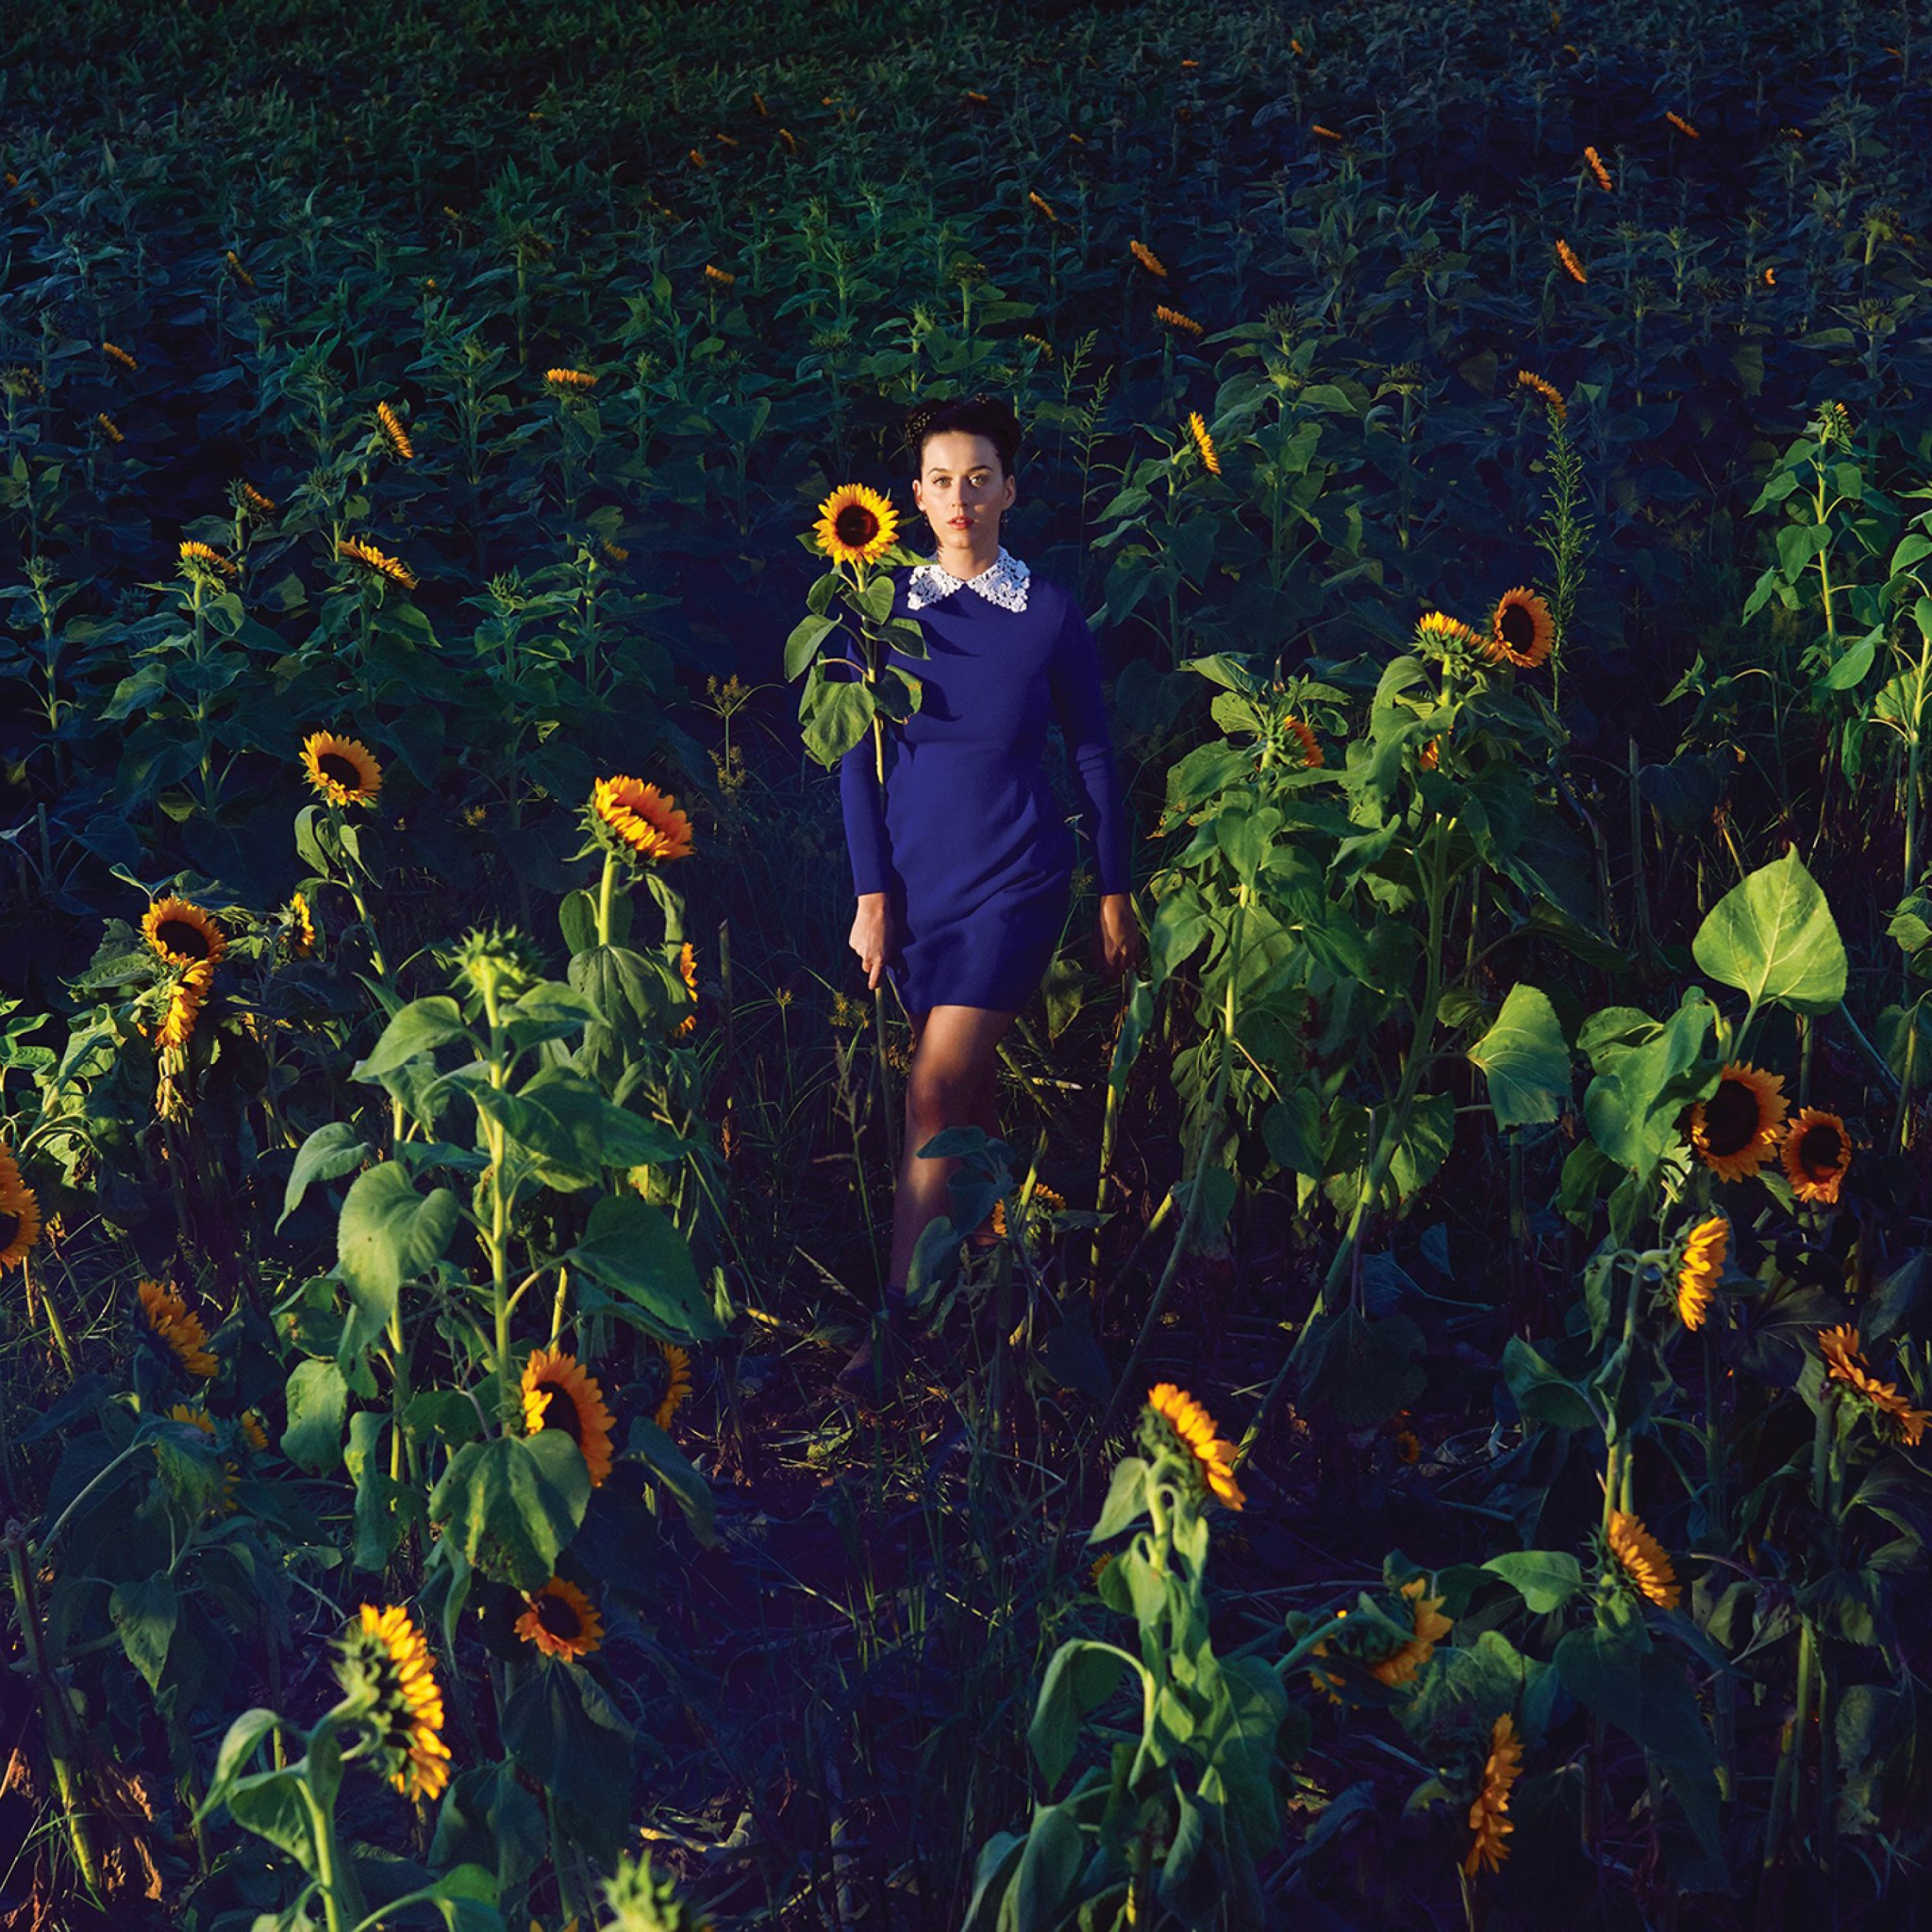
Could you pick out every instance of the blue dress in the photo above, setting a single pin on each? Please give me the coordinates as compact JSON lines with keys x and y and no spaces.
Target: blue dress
{"x":968,"y":843}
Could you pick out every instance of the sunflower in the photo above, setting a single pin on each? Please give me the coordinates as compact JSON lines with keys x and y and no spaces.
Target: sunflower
{"x":615,"y":552}
{"x":20,"y":1214}
{"x":646,"y":820}
{"x":1430,"y":756}
{"x":1173,"y":319}
{"x":1682,"y":125}
{"x":1303,"y":736}
{"x":1430,"y":1627}
{"x":1204,"y":442}
{"x":1044,"y":1202}
{"x":1817,"y":1151}
{"x":386,"y":1660}
{"x":1843,"y":1364}
{"x":1701,"y":1269}
{"x":719,"y":278}
{"x":790,"y":139}
{"x":757,"y":101}
{"x":300,"y":936}
{"x":1322,"y":133}
{"x":1408,"y":1446}
{"x":1045,"y":205}
{"x":108,"y":428}
{"x":170,"y":1321}
{"x":577,"y":381}
{"x":194,"y":1417}
{"x":260,"y":505}
{"x":676,"y":1383}
{"x":1148,"y":259}
{"x":559,"y":1395}
{"x":688,"y":967}
{"x":1596,"y":163}
{"x":1642,"y":1560}
{"x":119,"y":354}
{"x":1735,"y":1131}
{"x":1442,"y":634}
{"x":241,"y":275}
{"x":207,"y":560}
{"x":390,"y":425}
{"x":186,"y":998}
{"x":182,"y":934}
{"x":1521,"y":630}
{"x":1527,"y":378}
{"x":254,"y":1431}
{"x":1487,"y":1822}
{"x":1771,"y":278}
{"x":1572,"y":267}
{"x":562,"y":1621}
{"x":1173,"y":1421}
{"x":856,"y":525}
{"x":342,"y":769}
{"x":379,"y":562}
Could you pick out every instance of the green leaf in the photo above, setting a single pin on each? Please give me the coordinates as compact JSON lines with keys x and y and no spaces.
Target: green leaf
{"x":1525,"y":1059}
{"x":564,"y":1736}
{"x":1126,"y":1499}
{"x":1644,"y":1693}
{"x":649,"y":1444}
{"x":318,"y":1398}
{"x":1631,"y":1108}
{"x":270,"y":1803}
{"x":834,"y":713}
{"x":389,"y":1234}
{"x":144,"y":1615}
{"x":418,"y":1028}
{"x":244,"y":1735}
{"x":1364,"y":1370}
{"x":636,"y":1250}
{"x":1049,"y":1869}
{"x":510,"y":1505}
{"x":333,"y":1150}
{"x":1541,"y":1392}
{"x":808,"y":634}
{"x":1082,"y":1676}
{"x":1772,"y":937}
{"x":1544,"y":1579}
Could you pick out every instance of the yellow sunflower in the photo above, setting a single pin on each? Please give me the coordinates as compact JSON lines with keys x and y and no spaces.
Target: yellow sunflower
{"x":676,"y":1383}
{"x":253,"y":1432}
{"x":1530,"y":380}
{"x":560,"y":1394}
{"x":1843,"y":1363}
{"x":396,"y":438}
{"x":1442,"y":635}
{"x":20,"y":1214}
{"x":386,"y":1658}
{"x":1736,"y":1131}
{"x":1204,"y":442}
{"x":1174,"y":1420}
{"x":377,"y":562}
{"x":719,"y":278}
{"x":119,"y":354}
{"x":1045,"y":207}
{"x":183,"y":934}
{"x":1522,"y":630}
{"x":1148,"y":259}
{"x":1044,"y":1202}
{"x":299,"y":937}
{"x":1322,"y":133}
{"x":1572,"y":267}
{"x":169,"y":1319}
{"x":856,"y":526}
{"x":342,"y":769}
{"x":1642,"y":1560}
{"x":1431,"y":1627}
{"x":186,"y":998}
{"x":570,"y":381}
{"x":260,"y":505}
{"x":107,"y":427}
{"x":1817,"y":1151}
{"x":1303,"y":736}
{"x":688,"y":967}
{"x":1594,"y":162}
{"x":1488,"y":1822}
{"x":643,"y":819}
{"x":1174,"y":319}
{"x":1682,"y":125}
{"x":561,"y":1621}
{"x":206,"y":560}
{"x":1701,"y":1268}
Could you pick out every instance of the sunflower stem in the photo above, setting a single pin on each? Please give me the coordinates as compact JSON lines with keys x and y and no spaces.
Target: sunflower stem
{"x":603,"y":892}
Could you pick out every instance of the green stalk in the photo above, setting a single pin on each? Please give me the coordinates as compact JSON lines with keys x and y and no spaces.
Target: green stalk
{"x":603,"y":892}
{"x":1725,"y":1689}
{"x":498,"y":1236}
{"x":329,"y":1880}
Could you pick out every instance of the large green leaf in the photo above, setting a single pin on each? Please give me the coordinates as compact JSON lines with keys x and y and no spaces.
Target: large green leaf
{"x":144,"y":1615}
{"x":1772,"y":937}
{"x":565,"y":1735}
{"x":420,"y":1028}
{"x":1364,"y":1370}
{"x":1544,"y":1579}
{"x":1081,"y":1676}
{"x":334,"y":1149}
{"x":1642,"y":1691}
{"x":1525,"y":1059}
{"x":388,"y":1234}
{"x":512,"y":1504}
{"x":1632,"y":1106}
{"x":636,"y":1250}
{"x":669,"y":1463}
{"x":317,"y":1399}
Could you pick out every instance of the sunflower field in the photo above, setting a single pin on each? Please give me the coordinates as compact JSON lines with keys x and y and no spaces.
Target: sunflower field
{"x":1418,"y":1417}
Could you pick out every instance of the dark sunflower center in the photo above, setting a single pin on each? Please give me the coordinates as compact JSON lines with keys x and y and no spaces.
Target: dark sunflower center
{"x":10,"y":1227}
{"x":559,"y":1616}
{"x":1818,"y":1151}
{"x":856,"y":526}
{"x":1517,"y":627}
{"x":177,"y":936}
{"x":1730,"y":1118}
{"x":334,"y":765}
{"x":560,"y":1412}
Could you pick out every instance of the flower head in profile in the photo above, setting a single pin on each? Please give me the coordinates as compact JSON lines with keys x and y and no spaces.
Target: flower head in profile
{"x":1736,"y":1131}
{"x":203,"y":563}
{"x":1180,"y":324}
{"x":1430,"y":1627}
{"x":1488,"y":1820}
{"x":1702,"y":1268}
{"x":1844,"y":1364}
{"x":263,"y":506}
{"x":1522,"y":630}
{"x":1042,"y":206}
{"x":1173,"y":1425}
{"x":1148,"y":259}
{"x":114,"y":353}
{"x":1542,"y":386}
{"x":676,"y":1383}
{"x":1572,"y":267}
{"x":639,"y":820}
{"x":298,"y":931}
{"x":1682,"y":125}
{"x":688,"y":969}
{"x":186,"y":998}
{"x":719,"y":278}
{"x":385,"y":1665}
{"x":1594,"y":162}
{"x":109,"y":428}
{"x":561,"y":1621}
{"x":1817,"y":1151}
{"x":379,"y":564}
{"x":856,"y":526}
{"x":1641,"y":1559}
{"x":1440,"y":635}
{"x":181,"y":933}
{"x":20,"y":1214}
{"x":1323,"y":133}
{"x":396,"y":438}
{"x":1300,"y":737}
{"x":342,"y":769}
{"x":558,"y":1393}
{"x":1204,"y":442}
{"x":571,"y":381}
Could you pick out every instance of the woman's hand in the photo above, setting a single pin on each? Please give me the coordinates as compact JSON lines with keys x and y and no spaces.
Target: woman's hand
{"x":1117,"y":937}
{"x":873,"y":936}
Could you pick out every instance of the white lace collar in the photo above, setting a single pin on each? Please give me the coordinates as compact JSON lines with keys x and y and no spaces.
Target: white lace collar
{"x":1004,"y":582}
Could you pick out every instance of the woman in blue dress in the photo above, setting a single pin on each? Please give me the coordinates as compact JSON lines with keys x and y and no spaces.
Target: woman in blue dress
{"x":964,"y":870}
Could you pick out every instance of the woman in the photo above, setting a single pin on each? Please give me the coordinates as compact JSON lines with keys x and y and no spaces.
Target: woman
{"x":963,"y":870}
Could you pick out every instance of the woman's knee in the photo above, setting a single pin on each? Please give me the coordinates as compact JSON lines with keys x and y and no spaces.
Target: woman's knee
{"x":941,"y":1096}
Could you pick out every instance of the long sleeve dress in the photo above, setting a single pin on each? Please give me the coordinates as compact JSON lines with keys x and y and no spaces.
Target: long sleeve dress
{"x":969,"y":841}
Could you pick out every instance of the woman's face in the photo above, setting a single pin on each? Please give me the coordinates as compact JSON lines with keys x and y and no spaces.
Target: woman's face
{"x":962,"y":491}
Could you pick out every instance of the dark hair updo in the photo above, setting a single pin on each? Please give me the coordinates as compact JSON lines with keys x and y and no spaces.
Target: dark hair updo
{"x":976,"y":415}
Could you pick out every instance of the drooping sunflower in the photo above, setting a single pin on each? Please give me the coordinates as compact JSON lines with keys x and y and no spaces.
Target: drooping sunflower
{"x":1522,"y":629}
{"x":1682,"y":125}
{"x":118,"y":353}
{"x":260,"y":505}
{"x":1843,"y":1363}
{"x":856,"y":526}
{"x":186,"y":998}
{"x":1442,"y":635}
{"x":1572,"y":267}
{"x":1304,"y":735}
{"x":573,"y":381}
{"x":1173,"y":1421}
{"x":676,"y":1383}
{"x":108,"y":426}
{"x":558,"y":1393}
{"x":1173,"y":319}
{"x":1489,"y":1821}
{"x":1322,"y":133}
{"x":396,"y":438}
{"x":386,"y":1659}
{"x":1148,"y":259}
{"x":204,"y":560}
{"x":342,"y":769}
{"x":1701,"y":1268}
{"x":299,"y":937}
{"x":643,"y":819}
{"x":253,"y":1432}
{"x":1204,"y":442}
{"x":562,"y":1621}
{"x":1431,"y":1627}
{"x":1043,"y":206}
{"x":172,"y":1324}
{"x":1736,"y":1131}
{"x":1044,"y":1202}
{"x":688,"y":969}
{"x":1552,"y":395}
{"x":1817,"y":1151}
{"x":1430,"y":756}
{"x":20,"y":1214}
{"x":241,"y":275}
{"x":1642,"y":1560}
{"x":377,"y":562}
{"x":183,"y":934}
{"x":1596,"y":163}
